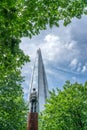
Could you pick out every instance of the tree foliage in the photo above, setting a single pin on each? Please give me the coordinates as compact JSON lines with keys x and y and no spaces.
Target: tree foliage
{"x":26,"y":18}
{"x":66,"y":109}
{"x":12,"y":104}
{"x":22,"y":18}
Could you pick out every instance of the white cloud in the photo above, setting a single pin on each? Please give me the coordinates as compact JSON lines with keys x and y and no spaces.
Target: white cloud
{"x":77,"y":66}
{"x":53,"y":48}
{"x":84,"y":68}
{"x":71,"y":45}
{"x":56,"y":51}
{"x":51,"y":38}
{"x":74,"y":63}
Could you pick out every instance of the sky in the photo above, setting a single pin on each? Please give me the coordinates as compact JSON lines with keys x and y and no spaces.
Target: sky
{"x":64,"y":52}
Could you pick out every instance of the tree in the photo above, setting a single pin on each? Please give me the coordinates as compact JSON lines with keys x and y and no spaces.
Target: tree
{"x":66,"y":109}
{"x":22,"y":18}
{"x":12,"y":105}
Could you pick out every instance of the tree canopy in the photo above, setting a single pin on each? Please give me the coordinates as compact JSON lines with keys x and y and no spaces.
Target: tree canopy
{"x":26,"y":18}
{"x":66,"y":109}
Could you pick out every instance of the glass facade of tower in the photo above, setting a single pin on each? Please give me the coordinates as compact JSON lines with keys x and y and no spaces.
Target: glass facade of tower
{"x":39,"y":81}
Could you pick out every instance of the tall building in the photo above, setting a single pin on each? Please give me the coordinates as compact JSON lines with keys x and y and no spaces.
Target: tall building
{"x":39,"y":82}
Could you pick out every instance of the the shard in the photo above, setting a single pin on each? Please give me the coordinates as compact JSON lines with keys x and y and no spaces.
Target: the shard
{"x":39,"y":82}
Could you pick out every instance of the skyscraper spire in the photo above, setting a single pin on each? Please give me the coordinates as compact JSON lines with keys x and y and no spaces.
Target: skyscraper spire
{"x":39,"y":81}
{"x":42,"y":82}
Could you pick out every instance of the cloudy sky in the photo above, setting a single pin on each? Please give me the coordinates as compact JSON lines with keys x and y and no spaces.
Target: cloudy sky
{"x":64,"y":52}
